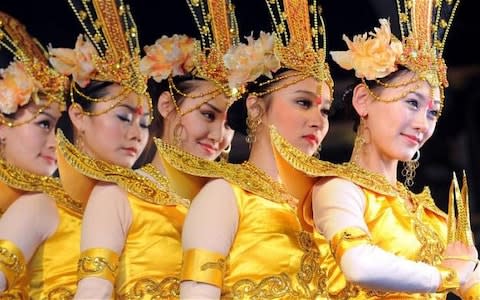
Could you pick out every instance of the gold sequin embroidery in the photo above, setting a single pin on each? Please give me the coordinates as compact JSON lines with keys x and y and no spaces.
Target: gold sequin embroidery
{"x":168,"y":288}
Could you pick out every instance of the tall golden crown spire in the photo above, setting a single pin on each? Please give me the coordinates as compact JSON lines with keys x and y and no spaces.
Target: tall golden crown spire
{"x":28,"y":74}
{"x":301,"y":43}
{"x":218,"y":29}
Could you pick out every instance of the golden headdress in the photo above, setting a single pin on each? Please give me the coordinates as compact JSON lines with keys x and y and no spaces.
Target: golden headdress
{"x":424,"y":26}
{"x":300,"y":42}
{"x":182,"y":55}
{"x":109,"y":50}
{"x":458,"y":223}
{"x":28,"y":76}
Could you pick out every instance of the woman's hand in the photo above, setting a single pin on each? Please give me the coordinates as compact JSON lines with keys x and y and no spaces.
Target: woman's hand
{"x":461,"y":258}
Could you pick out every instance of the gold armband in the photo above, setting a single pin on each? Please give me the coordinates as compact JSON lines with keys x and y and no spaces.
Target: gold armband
{"x":98,"y":262}
{"x":203,"y":266}
{"x":12,"y":262}
{"x":449,"y":280}
{"x":347,"y":239}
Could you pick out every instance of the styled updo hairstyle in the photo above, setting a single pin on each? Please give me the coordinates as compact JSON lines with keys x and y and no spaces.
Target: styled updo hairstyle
{"x":95,"y":89}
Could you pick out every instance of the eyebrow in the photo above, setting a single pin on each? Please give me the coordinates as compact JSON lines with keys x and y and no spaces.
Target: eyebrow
{"x":216,"y":109}
{"x":423,"y":98}
{"x":132,"y":109}
{"x":48,"y":115}
{"x":330,"y":101}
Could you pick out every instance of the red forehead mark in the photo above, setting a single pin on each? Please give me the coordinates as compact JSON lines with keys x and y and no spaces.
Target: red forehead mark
{"x":430,"y":104}
{"x":139,"y":110}
{"x":318,"y":100}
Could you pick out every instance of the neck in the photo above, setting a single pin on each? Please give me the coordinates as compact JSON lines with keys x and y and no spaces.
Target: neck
{"x":371,"y":159}
{"x":261,"y":156}
{"x":157,"y":163}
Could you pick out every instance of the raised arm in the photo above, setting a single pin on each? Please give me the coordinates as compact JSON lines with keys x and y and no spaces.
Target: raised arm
{"x":208,"y":233}
{"x":339,"y":207}
{"x":106,"y":221}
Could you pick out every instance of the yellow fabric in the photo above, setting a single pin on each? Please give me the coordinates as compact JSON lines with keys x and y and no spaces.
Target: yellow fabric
{"x":53,"y":267}
{"x":12,"y":262}
{"x":347,"y":239}
{"x":450,"y":281}
{"x":271,"y":257}
{"x":8,"y":196}
{"x":203,"y":266}
{"x":151,"y":259}
{"x":419,"y":236}
{"x":15,"y":294}
{"x":98,"y":262}
{"x":473,"y":293}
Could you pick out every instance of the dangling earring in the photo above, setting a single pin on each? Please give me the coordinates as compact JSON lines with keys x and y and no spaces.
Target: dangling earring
{"x":409,"y":169}
{"x":177,"y":134}
{"x":79,"y":142}
{"x":317,"y":152}
{"x":2,"y":148}
{"x":225,"y":153}
{"x":360,"y":140}
{"x":252,"y":124}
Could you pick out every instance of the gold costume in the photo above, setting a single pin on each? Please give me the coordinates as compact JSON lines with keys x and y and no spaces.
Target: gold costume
{"x":149,"y":265}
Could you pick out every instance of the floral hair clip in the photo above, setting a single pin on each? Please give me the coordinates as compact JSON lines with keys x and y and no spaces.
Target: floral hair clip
{"x":169,"y":56}
{"x":247,"y":62}
{"x":372,"y":55}
{"x":17,"y":87}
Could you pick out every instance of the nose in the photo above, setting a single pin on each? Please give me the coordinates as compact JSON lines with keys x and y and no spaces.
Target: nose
{"x":51,"y":140}
{"x":421,"y":121}
{"x":135,"y":132}
{"x":317,"y":119}
{"x":217,"y":131}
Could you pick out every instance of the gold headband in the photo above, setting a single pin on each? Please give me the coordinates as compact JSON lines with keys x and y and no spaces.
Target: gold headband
{"x":28,"y":75}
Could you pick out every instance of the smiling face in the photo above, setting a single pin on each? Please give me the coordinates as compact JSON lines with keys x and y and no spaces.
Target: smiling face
{"x":31,"y":146}
{"x":299,"y":112}
{"x":398,"y":129}
{"x":204,"y":130}
{"x":117,"y":136}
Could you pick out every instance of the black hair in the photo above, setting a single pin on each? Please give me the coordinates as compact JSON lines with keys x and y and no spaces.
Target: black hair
{"x":373,"y":85}
{"x":237,"y":113}
{"x":184,"y":84}
{"x":95,"y":89}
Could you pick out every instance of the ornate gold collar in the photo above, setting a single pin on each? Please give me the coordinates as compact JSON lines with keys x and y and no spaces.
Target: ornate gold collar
{"x":90,"y":171}
{"x":15,"y":182}
{"x":194,"y":172}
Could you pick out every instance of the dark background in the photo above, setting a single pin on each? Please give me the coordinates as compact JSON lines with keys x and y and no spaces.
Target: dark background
{"x":455,"y":144}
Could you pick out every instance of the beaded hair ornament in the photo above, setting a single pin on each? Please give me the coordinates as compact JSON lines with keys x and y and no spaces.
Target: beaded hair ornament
{"x":298,"y":44}
{"x":108,"y":51}
{"x":424,"y":26}
{"x":181,"y":55}
{"x":28,"y":77}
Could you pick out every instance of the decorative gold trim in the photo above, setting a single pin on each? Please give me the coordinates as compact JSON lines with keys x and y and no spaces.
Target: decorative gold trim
{"x":134,"y":183}
{"x":12,"y":262}
{"x":245,"y":175}
{"x":25,"y":181}
{"x":148,"y":288}
{"x":98,"y":262}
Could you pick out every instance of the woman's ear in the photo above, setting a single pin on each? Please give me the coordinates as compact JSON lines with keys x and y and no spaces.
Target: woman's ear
{"x":360,"y":99}
{"x":255,"y":106}
{"x":77,"y":116}
{"x":165,"y":104}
